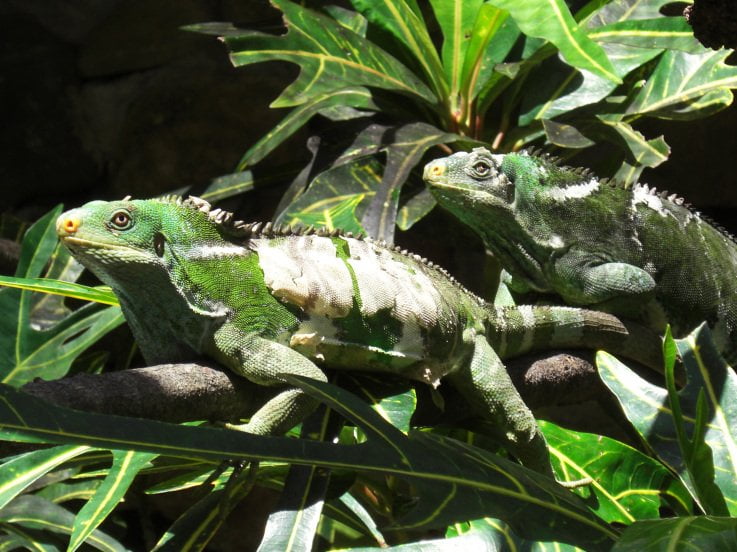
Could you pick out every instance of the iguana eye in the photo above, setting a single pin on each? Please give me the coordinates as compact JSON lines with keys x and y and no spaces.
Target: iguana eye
{"x":121,"y":220}
{"x":481,"y":168}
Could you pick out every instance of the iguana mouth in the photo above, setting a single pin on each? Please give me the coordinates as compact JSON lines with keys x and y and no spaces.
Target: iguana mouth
{"x":72,"y":241}
{"x":447,"y":185}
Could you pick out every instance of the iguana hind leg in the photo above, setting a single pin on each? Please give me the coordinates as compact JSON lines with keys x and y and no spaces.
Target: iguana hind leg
{"x":487,"y":387}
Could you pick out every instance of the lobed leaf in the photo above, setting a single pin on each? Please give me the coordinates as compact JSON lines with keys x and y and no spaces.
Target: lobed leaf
{"x":330,"y":56}
{"x":403,"y":20}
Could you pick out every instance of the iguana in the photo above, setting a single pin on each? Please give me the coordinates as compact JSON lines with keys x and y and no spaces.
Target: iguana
{"x":269,"y":302}
{"x":628,"y":250}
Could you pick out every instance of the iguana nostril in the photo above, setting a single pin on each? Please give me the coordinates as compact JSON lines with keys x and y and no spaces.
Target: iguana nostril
{"x":434,"y":170}
{"x":68,"y":225}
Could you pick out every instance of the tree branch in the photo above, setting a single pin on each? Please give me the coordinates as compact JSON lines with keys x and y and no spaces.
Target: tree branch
{"x":195,"y":391}
{"x":167,"y":392}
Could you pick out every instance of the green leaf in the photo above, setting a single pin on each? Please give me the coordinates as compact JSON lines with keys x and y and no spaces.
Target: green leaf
{"x":457,"y":19}
{"x":552,"y":20}
{"x":409,"y":143}
{"x":647,"y":408}
{"x":335,"y":198}
{"x":404,"y":21}
{"x":194,"y":529}
{"x":102,"y":294}
{"x":415,"y":208}
{"x":329,"y":54}
{"x":348,"y":18}
{"x":641,"y":152}
{"x":565,"y":136}
{"x":64,"y":491}
{"x":21,"y":471}
{"x":452,"y":480}
{"x":555,"y":88}
{"x":492,"y":534}
{"x":352,"y":508}
{"x":682,"y":534}
{"x":627,"y":484}
{"x":292,"y":525}
{"x":492,"y":37}
{"x":126,"y":465}
{"x":672,"y":33}
{"x":680,"y":79}
{"x":34,"y":512}
{"x":28,"y":351}
{"x":393,"y":398}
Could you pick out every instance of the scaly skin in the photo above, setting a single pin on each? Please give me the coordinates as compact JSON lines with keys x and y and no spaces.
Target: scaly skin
{"x":270,"y":303}
{"x":625,"y":250}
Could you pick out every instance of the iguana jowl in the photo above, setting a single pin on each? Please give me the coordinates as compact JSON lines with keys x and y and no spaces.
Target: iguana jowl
{"x":623,"y":249}
{"x":269,"y":303}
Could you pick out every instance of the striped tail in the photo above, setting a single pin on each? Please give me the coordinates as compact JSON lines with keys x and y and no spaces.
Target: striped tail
{"x":518,"y":330}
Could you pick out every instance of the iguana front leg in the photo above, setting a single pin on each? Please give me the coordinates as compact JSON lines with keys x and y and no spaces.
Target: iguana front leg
{"x":265,"y":362}
{"x":486,"y":385}
{"x":581,"y":278}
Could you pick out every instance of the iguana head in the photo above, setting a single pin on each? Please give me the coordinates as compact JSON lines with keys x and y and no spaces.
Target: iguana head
{"x":107,"y":236}
{"x":513,"y":201}
{"x":483,"y":182}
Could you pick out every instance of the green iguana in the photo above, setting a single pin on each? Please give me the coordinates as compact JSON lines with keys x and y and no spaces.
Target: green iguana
{"x":624,"y":249}
{"x":269,"y":303}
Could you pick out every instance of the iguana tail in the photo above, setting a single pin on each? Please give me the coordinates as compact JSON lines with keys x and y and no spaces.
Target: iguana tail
{"x":515,"y":331}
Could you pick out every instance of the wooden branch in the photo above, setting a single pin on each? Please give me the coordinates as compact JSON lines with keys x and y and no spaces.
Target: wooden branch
{"x":195,"y":391}
{"x":168,"y":392}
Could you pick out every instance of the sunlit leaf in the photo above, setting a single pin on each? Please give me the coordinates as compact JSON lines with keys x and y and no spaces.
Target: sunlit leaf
{"x":126,"y":465}
{"x":457,"y":19}
{"x":552,"y":20}
{"x":627,"y":484}
{"x":681,"y":78}
{"x":320,"y":206}
{"x":647,"y":408}
{"x":672,"y":33}
{"x":102,"y":295}
{"x":20,"y":472}
{"x":682,"y":534}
